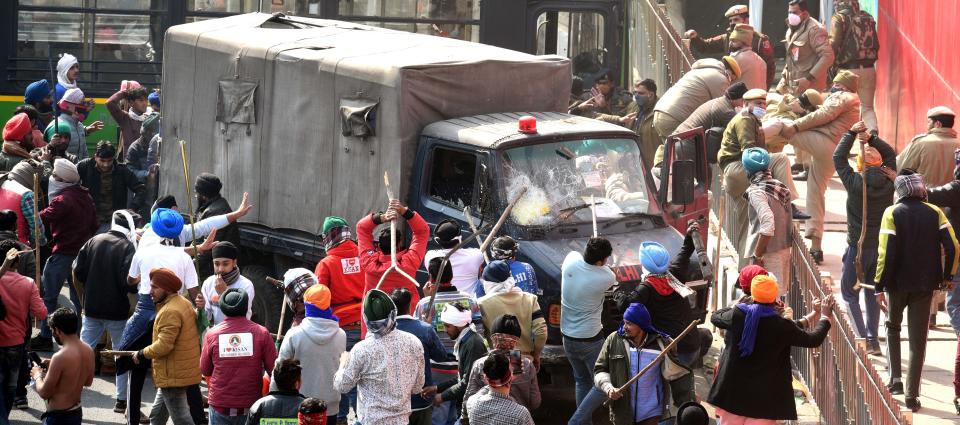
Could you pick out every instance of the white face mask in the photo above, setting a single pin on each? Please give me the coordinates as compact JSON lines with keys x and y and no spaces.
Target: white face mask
{"x":793,"y":19}
{"x":758,"y":111}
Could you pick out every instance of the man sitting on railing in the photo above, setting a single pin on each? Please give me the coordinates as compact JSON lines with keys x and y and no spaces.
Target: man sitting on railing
{"x":753,"y":383}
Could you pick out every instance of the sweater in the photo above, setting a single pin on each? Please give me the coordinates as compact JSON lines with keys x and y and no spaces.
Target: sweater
{"x":72,"y":219}
{"x":375,"y":262}
{"x":276,"y":406}
{"x":235,"y":355}
{"x":318,"y":344}
{"x":340,"y":271}
{"x":523,"y":305}
{"x":20,"y":297}
{"x":583,"y":288}
{"x":102,"y":265}
{"x":129,"y":127}
{"x":432,"y":350}
{"x":469,"y":348}
{"x":912,"y":233}
{"x":880,"y":190}
{"x":947,"y":197}
{"x":760,"y":385}
{"x":175,"y":350}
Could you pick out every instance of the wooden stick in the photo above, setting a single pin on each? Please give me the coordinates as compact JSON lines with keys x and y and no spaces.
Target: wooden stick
{"x":593,"y":215}
{"x":858,"y":262}
{"x":36,"y":233}
{"x":186,"y":183}
{"x":503,"y":218}
{"x":8,"y":261}
{"x":690,"y":327}
{"x":473,"y":228}
{"x":118,"y":353}
{"x":283,"y":317}
{"x":393,"y":227}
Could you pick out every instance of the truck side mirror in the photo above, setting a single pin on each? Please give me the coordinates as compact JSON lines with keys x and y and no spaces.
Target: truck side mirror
{"x":683,"y":174}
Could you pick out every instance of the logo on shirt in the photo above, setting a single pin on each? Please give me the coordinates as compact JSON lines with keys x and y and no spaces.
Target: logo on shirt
{"x":350,"y":265}
{"x":236,"y":345}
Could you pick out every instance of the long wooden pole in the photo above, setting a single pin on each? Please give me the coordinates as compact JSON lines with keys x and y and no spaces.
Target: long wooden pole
{"x":473,"y":228}
{"x":186,"y":184}
{"x":690,"y":327}
{"x":36,"y":233}
{"x":503,"y":218}
{"x":443,"y":265}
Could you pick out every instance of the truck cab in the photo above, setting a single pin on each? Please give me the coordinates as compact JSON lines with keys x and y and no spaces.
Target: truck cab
{"x":477,"y":165}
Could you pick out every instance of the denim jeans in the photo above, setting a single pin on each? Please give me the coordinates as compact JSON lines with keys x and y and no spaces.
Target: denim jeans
{"x":9,"y":372}
{"x":869,"y":330}
{"x":171,"y":403}
{"x":73,"y":417}
{"x":584,"y":414}
{"x":582,"y":356}
{"x":90,"y":334}
{"x":217,"y":419}
{"x":55,"y":273}
{"x":448,"y":413}
{"x":953,"y":304}
{"x":350,"y":399}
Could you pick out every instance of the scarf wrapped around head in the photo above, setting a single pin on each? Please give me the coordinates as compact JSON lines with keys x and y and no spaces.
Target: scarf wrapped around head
{"x":870,"y":157}
{"x":335,"y":231}
{"x":316,"y":303}
{"x":379,"y":313}
{"x":454,"y":316}
{"x":319,"y":418}
{"x":296,"y":281}
{"x":66,"y":62}
{"x":909,"y":184}
{"x":763,"y":180}
{"x":638,"y":314}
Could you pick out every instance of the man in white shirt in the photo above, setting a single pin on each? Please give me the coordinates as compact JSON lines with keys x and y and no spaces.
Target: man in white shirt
{"x":199,"y":230}
{"x":467,"y":262}
{"x":226,"y":276}
{"x":167,"y":224}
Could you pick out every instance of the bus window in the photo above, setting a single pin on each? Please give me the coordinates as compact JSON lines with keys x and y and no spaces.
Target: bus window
{"x":445,"y":18}
{"x":230,"y":6}
{"x":576,"y":35}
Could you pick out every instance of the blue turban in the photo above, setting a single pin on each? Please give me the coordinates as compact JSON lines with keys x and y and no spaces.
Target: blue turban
{"x":654,"y":257}
{"x":166,"y":223}
{"x":154,"y":98}
{"x":638,"y":315}
{"x":36,"y":91}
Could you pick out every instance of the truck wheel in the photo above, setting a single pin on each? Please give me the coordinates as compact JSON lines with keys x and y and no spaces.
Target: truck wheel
{"x":267,"y":298}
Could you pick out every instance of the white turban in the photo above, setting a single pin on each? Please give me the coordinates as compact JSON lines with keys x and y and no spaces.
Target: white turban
{"x":454,"y":317}
{"x":66,"y":170}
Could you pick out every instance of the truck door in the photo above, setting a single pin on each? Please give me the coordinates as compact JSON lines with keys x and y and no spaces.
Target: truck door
{"x":586,"y":31}
{"x":685,"y":167}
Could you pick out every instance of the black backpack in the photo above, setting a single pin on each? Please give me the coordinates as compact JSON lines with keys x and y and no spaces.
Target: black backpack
{"x":860,"y":41}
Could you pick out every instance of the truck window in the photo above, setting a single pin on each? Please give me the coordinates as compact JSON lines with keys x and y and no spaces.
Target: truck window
{"x":576,"y":35}
{"x":453,"y":177}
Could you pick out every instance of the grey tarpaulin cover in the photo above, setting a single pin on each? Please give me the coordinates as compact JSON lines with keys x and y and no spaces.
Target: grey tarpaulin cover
{"x":293,"y":156}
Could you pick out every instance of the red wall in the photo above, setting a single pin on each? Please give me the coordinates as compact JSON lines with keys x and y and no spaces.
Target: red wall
{"x":918,"y":65}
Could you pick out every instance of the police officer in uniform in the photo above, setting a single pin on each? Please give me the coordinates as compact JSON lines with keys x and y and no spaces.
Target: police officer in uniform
{"x":738,"y":14}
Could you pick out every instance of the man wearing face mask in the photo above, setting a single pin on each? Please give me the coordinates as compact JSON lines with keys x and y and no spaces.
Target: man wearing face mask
{"x":817,"y":133}
{"x":753,"y":70}
{"x":102,"y":265}
{"x":109,"y":182}
{"x":737,"y":14}
{"x":809,"y":54}
{"x":638,"y":116}
{"x":607,"y":103}
{"x":213,"y":204}
{"x":73,"y":110}
{"x":707,"y":79}
{"x":130,"y":120}
{"x":743,"y":132}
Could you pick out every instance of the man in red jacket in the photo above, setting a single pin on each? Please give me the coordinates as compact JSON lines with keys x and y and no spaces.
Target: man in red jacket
{"x":340,"y":271}
{"x":72,"y":219}
{"x":235,"y":354}
{"x":374,"y":261}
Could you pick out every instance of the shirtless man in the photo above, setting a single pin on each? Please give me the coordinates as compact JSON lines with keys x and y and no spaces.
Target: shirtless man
{"x":62,"y":380}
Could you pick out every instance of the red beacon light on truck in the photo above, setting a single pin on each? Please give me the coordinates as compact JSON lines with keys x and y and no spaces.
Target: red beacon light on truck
{"x":528,"y":125}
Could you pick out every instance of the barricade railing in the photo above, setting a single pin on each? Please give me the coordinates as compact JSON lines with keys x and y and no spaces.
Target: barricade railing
{"x":669,"y":57}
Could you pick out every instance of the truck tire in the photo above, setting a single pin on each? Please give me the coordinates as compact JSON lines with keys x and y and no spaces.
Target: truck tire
{"x":267,"y":298}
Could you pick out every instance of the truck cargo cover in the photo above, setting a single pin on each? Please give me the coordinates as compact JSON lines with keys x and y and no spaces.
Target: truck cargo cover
{"x":310,"y":77}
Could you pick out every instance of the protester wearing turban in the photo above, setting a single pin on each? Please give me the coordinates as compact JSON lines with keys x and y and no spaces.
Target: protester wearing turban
{"x":386,"y":367}
{"x":296,"y":281}
{"x":39,"y":95}
{"x":504,"y":298}
{"x":17,"y":141}
{"x":625,"y":352}
{"x":227,"y":276}
{"x":468,"y":347}
{"x":525,"y":388}
{"x":74,"y":108}
{"x":207,"y":187}
{"x":318,"y":343}
{"x":755,"y":364}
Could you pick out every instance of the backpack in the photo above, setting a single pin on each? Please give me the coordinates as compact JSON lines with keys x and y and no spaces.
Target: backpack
{"x":860,"y":41}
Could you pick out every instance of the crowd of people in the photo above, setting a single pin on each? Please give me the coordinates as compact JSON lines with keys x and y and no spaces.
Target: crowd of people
{"x":465,"y":346}
{"x":899,"y":208}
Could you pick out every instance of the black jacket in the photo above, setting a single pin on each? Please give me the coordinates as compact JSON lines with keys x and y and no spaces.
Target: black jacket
{"x":760,"y":385}
{"x":947,"y":197}
{"x":123,"y":180}
{"x":27,"y":264}
{"x":685,"y":267}
{"x":215,"y":207}
{"x":102,"y":265}
{"x":911,"y":237}
{"x":276,"y":405}
{"x":669,"y":313}
{"x":879,"y":187}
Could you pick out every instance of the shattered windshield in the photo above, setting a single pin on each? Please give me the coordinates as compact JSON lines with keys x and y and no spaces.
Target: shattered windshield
{"x":564,"y":179}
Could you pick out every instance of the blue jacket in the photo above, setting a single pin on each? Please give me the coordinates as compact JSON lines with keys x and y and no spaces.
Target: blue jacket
{"x":432,"y":350}
{"x":523,"y":274}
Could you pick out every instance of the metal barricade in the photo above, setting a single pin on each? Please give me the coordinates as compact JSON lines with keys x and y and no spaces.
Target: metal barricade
{"x":840,"y":377}
{"x":660,"y":51}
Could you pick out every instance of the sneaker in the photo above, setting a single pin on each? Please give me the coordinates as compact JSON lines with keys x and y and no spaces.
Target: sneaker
{"x":817,"y":255}
{"x":799,"y":215}
{"x":144,"y":419}
{"x":896,"y":388}
{"x":801,"y":176}
{"x":21,"y":403}
{"x":120,"y":406}
{"x":913,"y":404}
{"x":41,"y":344}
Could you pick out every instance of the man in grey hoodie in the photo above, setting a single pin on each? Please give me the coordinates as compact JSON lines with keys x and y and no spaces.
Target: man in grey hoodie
{"x":318,"y":342}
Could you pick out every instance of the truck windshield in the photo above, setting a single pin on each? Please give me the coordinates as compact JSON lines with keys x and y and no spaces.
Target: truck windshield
{"x":564,"y":178}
